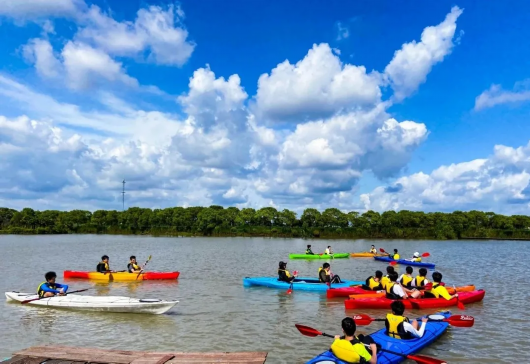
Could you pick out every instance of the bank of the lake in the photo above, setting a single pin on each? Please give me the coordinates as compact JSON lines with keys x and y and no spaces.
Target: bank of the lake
{"x":216,"y":313}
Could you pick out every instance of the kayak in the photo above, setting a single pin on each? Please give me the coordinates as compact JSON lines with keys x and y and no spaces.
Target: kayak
{"x":319,"y":256}
{"x":300,"y":284}
{"x":433,"y":331}
{"x":406,"y":262}
{"x":121,"y":276}
{"x":93,"y":303}
{"x":366,"y":255}
{"x":358,"y":290}
{"x":415,"y":303}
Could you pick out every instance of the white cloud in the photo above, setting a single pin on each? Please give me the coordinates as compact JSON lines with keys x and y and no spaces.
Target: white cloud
{"x":498,"y":183}
{"x":317,"y":86}
{"x":33,"y":9}
{"x":495,"y":95}
{"x":411,"y":64}
{"x":343,"y":32}
{"x":40,"y":52}
{"x":155,"y":29}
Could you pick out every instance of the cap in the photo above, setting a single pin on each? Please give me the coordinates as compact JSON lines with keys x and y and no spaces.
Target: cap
{"x":416,"y":254}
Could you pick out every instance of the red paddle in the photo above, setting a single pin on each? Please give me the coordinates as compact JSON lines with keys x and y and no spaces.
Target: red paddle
{"x":290,"y":290}
{"x":459,"y":303}
{"x":455,"y":320}
{"x":420,"y":359}
{"x":40,"y":298}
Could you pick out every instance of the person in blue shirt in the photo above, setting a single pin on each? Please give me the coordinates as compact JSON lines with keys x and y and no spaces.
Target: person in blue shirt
{"x":51,"y":288}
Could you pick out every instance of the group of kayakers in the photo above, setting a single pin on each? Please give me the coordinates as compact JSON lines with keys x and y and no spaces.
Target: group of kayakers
{"x":50,"y":288}
{"x":324,"y":274}
{"x":416,"y":257}
{"x":327,"y":251}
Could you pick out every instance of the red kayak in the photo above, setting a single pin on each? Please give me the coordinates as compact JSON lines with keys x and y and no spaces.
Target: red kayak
{"x":121,"y":276}
{"x":358,"y":290}
{"x":415,"y":303}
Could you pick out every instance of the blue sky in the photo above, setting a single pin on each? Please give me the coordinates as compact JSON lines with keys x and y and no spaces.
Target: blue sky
{"x":354,"y":105}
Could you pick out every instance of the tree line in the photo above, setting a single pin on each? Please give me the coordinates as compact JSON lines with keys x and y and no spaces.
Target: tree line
{"x":267,"y":221}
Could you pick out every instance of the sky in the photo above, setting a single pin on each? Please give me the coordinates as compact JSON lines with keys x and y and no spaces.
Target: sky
{"x":348,"y":104}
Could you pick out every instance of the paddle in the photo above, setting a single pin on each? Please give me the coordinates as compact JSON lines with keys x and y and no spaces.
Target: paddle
{"x":420,"y":359}
{"x":40,"y":298}
{"x":141,"y":270}
{"x":455,"y":320}
{"x":290,"y":290}
{"x":459,"y":304}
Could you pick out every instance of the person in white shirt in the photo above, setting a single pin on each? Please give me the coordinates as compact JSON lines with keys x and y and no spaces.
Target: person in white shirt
{"x":399,"y":327}
{"x":394,"y":290}
{"x":420,"y":280}
{"x":328,"y":250}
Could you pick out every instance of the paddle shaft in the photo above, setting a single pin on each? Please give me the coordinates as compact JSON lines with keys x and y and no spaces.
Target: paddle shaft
{"x":40,"y":298}
{"x":141,"y":270}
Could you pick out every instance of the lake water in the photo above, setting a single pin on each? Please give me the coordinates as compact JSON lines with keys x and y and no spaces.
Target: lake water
{"x":216,"y":313}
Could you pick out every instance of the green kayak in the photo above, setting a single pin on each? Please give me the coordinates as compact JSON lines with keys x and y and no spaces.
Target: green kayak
{"x":319,"y":256}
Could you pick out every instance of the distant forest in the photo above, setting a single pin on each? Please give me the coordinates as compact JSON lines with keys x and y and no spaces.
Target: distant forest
{"x":267,"y":221}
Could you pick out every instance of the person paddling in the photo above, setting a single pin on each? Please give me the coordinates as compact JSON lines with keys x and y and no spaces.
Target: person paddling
{"x":103,"y":266}
{"x":399,"y":327}
{"x":416,"y":257}
{"x":438,"y":290}
{"x":51,"y":288}
{"x":308,"y":250}
{"x":325,"y":275}
{"x":406,"y":278}
{"x":133,"y":266}
{"x":373,"y":283}
{"x":395,"y":291}
{"x":328,"y":250}
{"x":420,"y":280}
{"x":351,"y":348}
{"x":395,"y":256}
{"x":373,"y":250}
{"x":283,"y":274}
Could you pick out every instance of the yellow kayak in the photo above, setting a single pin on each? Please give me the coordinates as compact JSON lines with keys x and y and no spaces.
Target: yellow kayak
{"x":366,"y":255}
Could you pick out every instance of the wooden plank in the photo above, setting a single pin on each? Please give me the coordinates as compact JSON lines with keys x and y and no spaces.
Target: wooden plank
{"x":154,"y":358}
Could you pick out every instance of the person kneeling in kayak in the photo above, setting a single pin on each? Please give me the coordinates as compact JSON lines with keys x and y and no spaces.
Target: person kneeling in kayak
{"x":325,"y":275}
{"x":420,"y":280}
{"x":352,"y":349}
{"x":373,"y":250}
{"x":374,"y":283}
{"x":416,"y":257}
{"x":284,"y":275}
{"x":406,"y":278}
{"x":395,"y":291}
{"x":50,"y":288}
{"x":103,"y":266}
{"x":385,"y":280}
{"x":399,"y":327}
{"x":133,"y":267}
{"x":438,"y":290}
{"x":309,"y":251}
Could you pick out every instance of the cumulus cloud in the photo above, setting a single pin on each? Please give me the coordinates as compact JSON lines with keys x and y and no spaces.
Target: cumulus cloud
{"x":158,"y":30}
{"x":411,"y":64}
{"x":499,"y":183}
{"x":495,"y":95}
{"x":317,"y":86}
{"x":39,"y":9}
{"x":40,"y":52}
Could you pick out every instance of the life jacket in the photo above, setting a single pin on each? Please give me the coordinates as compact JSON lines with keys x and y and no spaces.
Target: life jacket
{"x":420,"y":281}
{"x":384,"y":281}
{"x":327,"y":274}
{"x":327,"y":252}
{"x":406,"y":280}
{"x":433,"y":292}
{"x":390,"y":291}
{"x":416,"y":259}
{"x":287,"y":274}
{"x":372,"y":284}
{"x":134,"y":266}
{"x":348,"y":351}
{"x":373,"y":251}
{"x":41,"y":292}
{"x":395,"y":256}
{"x":309,"y":251}
{"x":106,"y":265}
{"x":394,"y":327}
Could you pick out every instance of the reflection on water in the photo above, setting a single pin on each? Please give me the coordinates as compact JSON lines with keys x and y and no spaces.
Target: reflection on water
{"x":215,"y":305}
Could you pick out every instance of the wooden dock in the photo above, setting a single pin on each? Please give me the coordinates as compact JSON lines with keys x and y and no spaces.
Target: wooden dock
{"x":72,"y":355}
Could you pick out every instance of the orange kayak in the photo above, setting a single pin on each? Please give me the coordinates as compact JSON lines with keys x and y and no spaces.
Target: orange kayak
{"x":366,"y":255}
{"x":379,"y":294}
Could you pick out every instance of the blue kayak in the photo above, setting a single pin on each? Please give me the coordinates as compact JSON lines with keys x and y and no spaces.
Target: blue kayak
{"x":301,"y":284}
{"x":432,"y":332}
{"x":406,"y":262}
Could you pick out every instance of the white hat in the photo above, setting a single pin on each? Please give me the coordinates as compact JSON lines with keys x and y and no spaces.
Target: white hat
{"x":416,"y":254}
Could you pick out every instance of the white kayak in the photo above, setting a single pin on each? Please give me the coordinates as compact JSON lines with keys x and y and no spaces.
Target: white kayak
{"x":93,"y":303}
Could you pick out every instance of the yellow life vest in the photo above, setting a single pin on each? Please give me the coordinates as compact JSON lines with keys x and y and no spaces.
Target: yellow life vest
{"x":389,"y":287}
{"x":436,"y":288}
{"x":416,"y":259}
{"x":395,"y":256}
{"x":420,"y":281}
{"x":135,"y":266}
{"x":345,"y":350}
{"x":372,"y":283}
{"x":373,"y":251}
{"x":106,"y":265}
{"x":320,"y":270}
{"x":40,"y":292}
{"x":384,"y":281}
{"x":287,"y":274}
{"x":394,"y":325}
{"x":406,"y":280}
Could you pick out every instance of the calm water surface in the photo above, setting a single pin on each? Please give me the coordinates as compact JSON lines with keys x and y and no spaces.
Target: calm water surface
{"x":216,"y":313}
